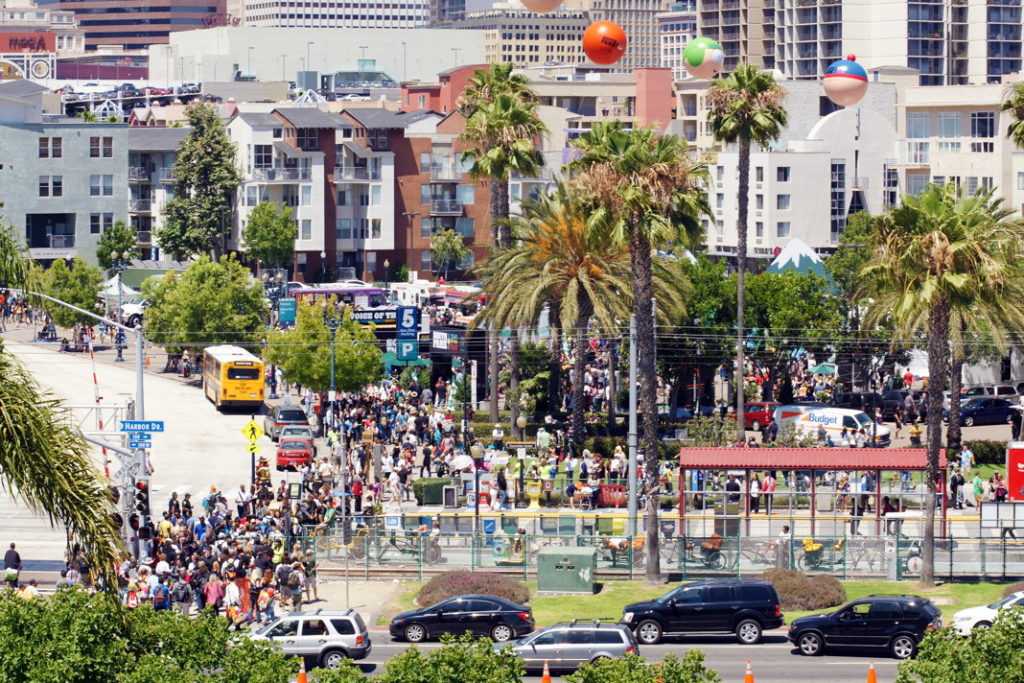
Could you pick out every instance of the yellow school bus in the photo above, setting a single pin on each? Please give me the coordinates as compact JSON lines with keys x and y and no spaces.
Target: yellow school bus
{"x":232,"y":377}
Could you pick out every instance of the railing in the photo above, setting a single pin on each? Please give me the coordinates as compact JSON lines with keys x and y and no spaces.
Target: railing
{"x":280,"y":174}
{"x":445,"y":206}
{"x":140,"y":205}
{"x":61,"y":241}
{"x":138,"y":173}
{"x":355,"y":173}
{"x":445,"y":172}
{"x":165,"y":175}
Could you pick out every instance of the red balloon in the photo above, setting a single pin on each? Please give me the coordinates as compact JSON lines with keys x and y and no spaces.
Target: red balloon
{"x":604,"y":42}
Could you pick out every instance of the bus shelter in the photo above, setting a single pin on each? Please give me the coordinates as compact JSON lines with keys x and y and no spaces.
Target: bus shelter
{"x":816,"y":461}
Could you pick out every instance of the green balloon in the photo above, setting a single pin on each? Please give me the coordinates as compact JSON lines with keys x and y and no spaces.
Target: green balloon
{"x":697,"y":48}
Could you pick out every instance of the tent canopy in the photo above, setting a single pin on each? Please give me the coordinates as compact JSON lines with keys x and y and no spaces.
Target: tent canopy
{"x":824,"y":369}
{"x":110,"y":290}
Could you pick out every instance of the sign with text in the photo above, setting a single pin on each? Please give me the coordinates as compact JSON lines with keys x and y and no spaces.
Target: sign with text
{"x":1015,"y":472}
{"x":379,"y":316}
{"x":407,"y":349}
{"x":28,"y":42}
{"x":286,"y":311}
{"x":408,"y":322}
{"x":142,"y":425}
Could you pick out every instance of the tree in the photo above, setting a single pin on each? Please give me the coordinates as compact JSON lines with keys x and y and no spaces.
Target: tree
{"x":501,"y":128}
{"x":206,"y":179}
{"x":213,"y":302}
{"x":942,"y":256}
{"x":746,"y":107}
{"x":1014,"y":103}
{"x":270,"y":235}
{"x":47,"y":462}
{"x":75,"y":637}
{"x":649,"y":190}
{"x":78,"y":285}
{"x":448,"y":249}
{"x":119,"y":238}
{"x":635,"y":669}
{"x":304,"y":351}
{"x":89,"y":116}
{"x":465,"y":658}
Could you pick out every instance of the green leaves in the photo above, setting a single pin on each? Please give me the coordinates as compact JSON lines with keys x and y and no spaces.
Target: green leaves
{"x":270,"y":234}
{"x":465,"y":659}
{"x":78,"y":285}
{"x":995,"y":655}
{"x":119,"y":238}
{"x":747,"y":105}
{"x":210,"y":303}
{"x":448,"y":249}
{"x":635,"y":669}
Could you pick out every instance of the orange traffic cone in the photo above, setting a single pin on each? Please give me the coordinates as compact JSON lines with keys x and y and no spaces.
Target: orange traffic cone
{"x":872,"y":676}
{"x":749,"y":677}
{"x":546,"y":676}
{"x":302,"y":671}
{"x":147,"y":361}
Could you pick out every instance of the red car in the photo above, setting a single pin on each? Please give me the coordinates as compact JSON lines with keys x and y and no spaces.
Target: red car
{"x":755,"y":415}
{"x":293,"y":453}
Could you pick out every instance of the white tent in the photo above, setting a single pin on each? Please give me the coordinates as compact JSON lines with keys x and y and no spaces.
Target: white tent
{"x":109,"y":290}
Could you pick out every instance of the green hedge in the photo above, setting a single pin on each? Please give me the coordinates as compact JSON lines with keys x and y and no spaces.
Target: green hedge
{"x":429,"y":491}
{"x":985,"y":452}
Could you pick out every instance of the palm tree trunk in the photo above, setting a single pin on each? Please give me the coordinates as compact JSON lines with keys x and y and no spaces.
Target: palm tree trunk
{"x":938,"y":349}
{"x":492,"y":372}
{"x":579,"y":358}
{"x":497,"y":190}
{"x":513,"y":383}
{"x":554,"y":361}
{"x":956,"y":369}
{"x":613,"y":386}
{"x":640,"y":256}
{"x":741,"y":269}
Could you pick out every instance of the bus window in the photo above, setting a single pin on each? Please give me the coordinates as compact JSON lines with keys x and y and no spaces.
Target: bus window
{"x":243,"y":373}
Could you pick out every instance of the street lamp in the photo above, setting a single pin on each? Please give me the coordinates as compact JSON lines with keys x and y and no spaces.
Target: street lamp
{"x":332,"y":324}
{"x":323,"y":266}
{"x":521,"y":494}
{"x":477,"y":451}
{"x":119,"y":261}
{"x":387,"y":277}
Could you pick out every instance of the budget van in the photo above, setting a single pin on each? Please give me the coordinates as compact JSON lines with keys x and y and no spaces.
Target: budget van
{"x":808,"y":418}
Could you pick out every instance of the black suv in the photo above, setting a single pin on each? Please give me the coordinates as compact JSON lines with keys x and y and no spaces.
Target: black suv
{"x":895,"y":622}
{"x":743,"y":607}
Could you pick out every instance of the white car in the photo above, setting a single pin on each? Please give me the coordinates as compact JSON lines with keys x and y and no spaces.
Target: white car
{"x":967,"y":620}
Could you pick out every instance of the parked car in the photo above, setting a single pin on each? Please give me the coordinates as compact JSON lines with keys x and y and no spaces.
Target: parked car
{"x":745,"y":607}
{"x":1006,"y":391}
{"x":893,"y":622}
{"x":132,"y":314}
{"x":329,"y":637}
{"x":808,"y":418}
{"x":980,"y":618}
{"x":352,"y":97}
{"x":755,"y":415}
{"x":483,"y":615}
{"x":947,"y":399}
{"x":866,"y":401}
{"x":294,"y":453}
{"x":279,"y":416}
{"x":568,"y":646}
{"x":983,"y":411}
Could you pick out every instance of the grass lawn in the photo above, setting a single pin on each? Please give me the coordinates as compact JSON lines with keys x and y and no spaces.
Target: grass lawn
{"x":613,"y":595}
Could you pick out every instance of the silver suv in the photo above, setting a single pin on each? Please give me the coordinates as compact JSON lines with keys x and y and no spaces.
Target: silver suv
{"x":329,"y":637}
{"x":568,"y":646}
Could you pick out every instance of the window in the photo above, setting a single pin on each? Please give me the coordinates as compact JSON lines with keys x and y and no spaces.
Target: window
{"x":719,"y":173}
{"x":759,"y":201}
{"x":425,"y":194}
{"x":972,"y":184}
{"x":364,"y":199}
{"x":759,"y":229}
{"x":285,"y":628}
{"x":782,"y":174}
{"x":689,"y":596}
{"x":374,"y":195}
{"x":277,"y":133}
{"x":719,"y":199}
{"x":378,"y":139}
{"x":466,"y":194}
{"x":375,"y":229}
{"x":101,"y":147}
{"x":346,"y":133}
{"x":343,"y":627}
{"x":250,"y":196}
{"x":759,"y":174}
{"x":580,"y":636}
{"x":756,"y":594}
{"x":782,"y":229}
{"x":305,"y":195}
{"x":949,"y":146}
{"x":343,"y":229}
{"x":719,"y":594}
{"x":262,"y":156}
{"x":607,"y":637}
{"x":95,"y":223}
{"x":342,"y":197}
{"x":51,"y":148}
{"x":307,"y":138}
{"x":51,"y":186}
{"x":464,"y":226}
{"x":44,"y":186}
{"x":782,"y":201}
{"x":917,"y":124}
{"x":422,"y":101}
{"x":983,"y":124}
{"x":101,"y":185}
{"x":306,"y":232}
{"x":1020,"y":180}
{"x":949,"y":124}
{"x":424,"y":162}
{"x":425,"y":262}
{"x":549,"y":638}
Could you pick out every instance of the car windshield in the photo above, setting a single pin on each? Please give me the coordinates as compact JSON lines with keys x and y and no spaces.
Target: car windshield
{"x":292,"y":416}
{"x":1008,"y":599}
{"x":973,"y":403}
{"x":863,"y":419}
{"x":672,"y":594}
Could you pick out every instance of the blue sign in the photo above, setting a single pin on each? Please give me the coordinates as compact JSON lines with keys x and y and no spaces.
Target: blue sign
{"x":142,"y":425}
{"x":408,"y":324}
{"x":141,"y":436}
{"x":407,"y":349}
{"x":140,"y":444}
{"x":286,"y":311}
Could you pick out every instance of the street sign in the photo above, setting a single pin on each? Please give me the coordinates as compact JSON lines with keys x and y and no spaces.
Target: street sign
{"x":286,"y":310}
{"x":252,"y":431}
{"x":408,"y":349}
{"x":140,"y":444}
{"x":408,"y":323}
{"x":141,"y":436}
{"x":142,"y":425}
{"x":252,"y":448}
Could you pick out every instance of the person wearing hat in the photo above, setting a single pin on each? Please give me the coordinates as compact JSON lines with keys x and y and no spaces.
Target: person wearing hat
{"x":498,"y":437}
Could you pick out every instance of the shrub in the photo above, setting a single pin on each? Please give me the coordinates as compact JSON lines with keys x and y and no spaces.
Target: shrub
{"x":460,"y":658}
{"x":1013,"y":588}
{"x":428,"y":491}
{"x":450,"y":584}
{"x":635,"y":669}
{"x":798,"y":591}
{"x":988,"y":452}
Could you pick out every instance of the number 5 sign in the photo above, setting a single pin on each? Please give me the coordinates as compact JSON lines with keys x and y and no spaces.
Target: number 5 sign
{"x":408,"y":326}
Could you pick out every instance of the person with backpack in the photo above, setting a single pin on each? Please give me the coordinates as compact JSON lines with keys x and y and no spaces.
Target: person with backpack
{"x":161,"y":594}
{"x":182,"y":596}
{"x":295,"y":584}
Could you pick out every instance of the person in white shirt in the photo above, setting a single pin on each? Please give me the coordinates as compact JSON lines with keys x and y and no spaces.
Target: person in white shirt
{"x":498,"y":437}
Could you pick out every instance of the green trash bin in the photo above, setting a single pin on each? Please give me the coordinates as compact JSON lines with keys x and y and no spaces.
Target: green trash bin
{"x":566,"y":570}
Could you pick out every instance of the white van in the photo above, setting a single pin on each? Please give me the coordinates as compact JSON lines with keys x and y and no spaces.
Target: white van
{"x":808,"y":417}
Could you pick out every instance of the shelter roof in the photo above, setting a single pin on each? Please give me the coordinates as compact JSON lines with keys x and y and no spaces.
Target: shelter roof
{"x":807,"y":458}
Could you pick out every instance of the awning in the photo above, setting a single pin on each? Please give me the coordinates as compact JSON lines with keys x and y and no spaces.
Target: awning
{"x":824,"y":369}
{"x":294,"y":153}
{"x":807,"y":458}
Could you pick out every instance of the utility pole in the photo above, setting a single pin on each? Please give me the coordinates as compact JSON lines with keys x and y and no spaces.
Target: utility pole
{"x":631,"y":436}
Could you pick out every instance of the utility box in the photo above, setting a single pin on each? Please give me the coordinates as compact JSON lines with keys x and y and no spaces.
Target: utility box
{"x":727,"y":519}
{"x":566,"y":570}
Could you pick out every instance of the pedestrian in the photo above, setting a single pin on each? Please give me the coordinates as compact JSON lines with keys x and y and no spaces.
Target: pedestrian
{"x":956,"y":484}
{"x":897,"y":418}
{"x":772,"y":429}
{"x":295,"y":584}
{"x":12,"y":567}
{"x":733,"y":487}
{"x":309,"y":569}
{"x":182,"y":595}
{"x":782,"y":547}
{"x":768,"y":489}
{"x":755,"y":494}
{"x":978,"y":486}
{"x":966,"y":459}
{"x":242,"y":500}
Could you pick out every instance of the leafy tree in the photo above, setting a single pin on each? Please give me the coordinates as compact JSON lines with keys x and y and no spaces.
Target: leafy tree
{"x":78,"y":285}
{"x":206,"y":178}
{"x":1014,"y":103}
{"x":995,"y":655}
{"x":74,"y":637}
{"x":648,"y":188}
{"x":448,"y":249}
{"x":304,"y":351}
{"x":465,"y":659}
{"x":270,"y":235}
{"x":635,"y":669}
{"x":118,"y":238}
{"x":210,"y":303}
{"x":941,"y":257}
{"x":745,"y":108}
{"x":347,"y":672}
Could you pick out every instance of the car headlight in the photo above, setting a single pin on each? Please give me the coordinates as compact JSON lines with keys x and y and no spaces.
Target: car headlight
{"x":398,"y":621}
{"x":627,"y":617}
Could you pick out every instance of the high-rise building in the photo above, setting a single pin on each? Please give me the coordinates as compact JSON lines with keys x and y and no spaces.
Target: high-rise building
{"x":313,"y":14}
{"x":639,"y":19}
{"x":524,"y":38}
{"x":444,"y":12}
{"x":676,"y":28}
{"x":744,"y":29}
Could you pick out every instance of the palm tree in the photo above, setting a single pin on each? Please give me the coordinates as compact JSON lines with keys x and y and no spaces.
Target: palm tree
{"x":646,"y":185}
{"x":502,"y":128}
{"x":1014,"y":103}
{"x":942,"y":257}
{"x":43,"y":460}
{"x":746,"y":107}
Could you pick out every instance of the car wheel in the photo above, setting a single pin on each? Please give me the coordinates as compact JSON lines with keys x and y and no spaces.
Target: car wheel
{"x":756,"y":425}
{"x":748,"y":632}
{"x":415,"y":633}
{"x":332,"y":659}
{"x":501,"y":633}
{"x":982,"y":626}
{"x":968,"y":421}
{"x":648,"y":632}
{"x":810,"y":644}
{"x":903,"y":647}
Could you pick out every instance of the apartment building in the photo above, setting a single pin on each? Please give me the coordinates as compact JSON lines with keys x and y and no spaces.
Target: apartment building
{"x":151,"y":155}
{"x":640,"y":22}
{"x":676,"y":28}
{"x":518,"y":36}
{"x":62,"y":180}
{"x":744,"y":29}
{"x":312,"y":14}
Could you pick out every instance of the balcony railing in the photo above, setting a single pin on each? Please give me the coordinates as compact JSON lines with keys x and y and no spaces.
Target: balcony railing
{"x":445,"y":206}
{"x":138,"y":173}
{"x":165,"y":175}
{"x":445,"y":172}
{"x":355,"y":173}
{"x":140,"y":205}
{"x":280,"y":174}
{"x":61,"y":241}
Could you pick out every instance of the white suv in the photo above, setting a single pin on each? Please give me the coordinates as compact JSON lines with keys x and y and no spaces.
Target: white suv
{"x":329,"y":637}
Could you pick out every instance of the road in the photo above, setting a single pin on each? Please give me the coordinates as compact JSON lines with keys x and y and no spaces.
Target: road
{"x":774,"y":660}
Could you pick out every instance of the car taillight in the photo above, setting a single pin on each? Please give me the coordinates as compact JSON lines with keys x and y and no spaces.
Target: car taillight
{"x":631,"y":649}
{"x":359,"y":640}
{"x":525,"y":616}
{"x":778,"y":610}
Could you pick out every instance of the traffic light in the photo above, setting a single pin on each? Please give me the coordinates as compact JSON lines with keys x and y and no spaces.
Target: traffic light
{"x":117,"y":520}
{"x":142,"y":496}
{"x":114,"y":493}
{"x":133,"y":521}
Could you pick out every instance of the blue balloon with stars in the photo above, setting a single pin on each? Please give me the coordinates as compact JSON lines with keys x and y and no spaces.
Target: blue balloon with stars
{"x":845,"y":81}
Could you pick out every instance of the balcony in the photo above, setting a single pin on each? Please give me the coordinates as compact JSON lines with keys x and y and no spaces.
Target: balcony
{"x":60,"y":241}
{"x":445,"y":207}
{"x":445,"y":172}
{"x":144,"y":237}
{"x":859,"y":183}
{"x":355,"y":173}
{"x":140,"y":205}
{"x":279,"y":175}
{"x":165,"y":175}
{"x":138,"y":173}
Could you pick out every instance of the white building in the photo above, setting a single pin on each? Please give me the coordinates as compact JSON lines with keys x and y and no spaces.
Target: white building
{"x":311,"y":14}
{"x":676,"y":28}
